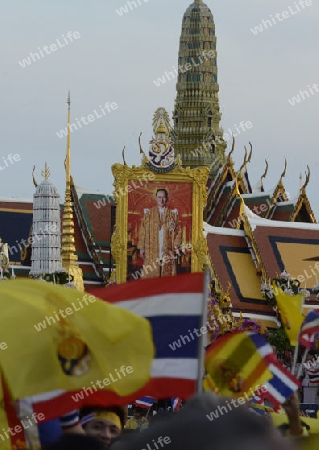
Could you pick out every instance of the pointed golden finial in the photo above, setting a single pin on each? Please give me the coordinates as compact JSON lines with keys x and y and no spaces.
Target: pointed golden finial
{"x":69,"y":258}
{"x":68,"y":146}
{"x":46,"y":172}
{"x":34,"y":180}
{"x":139,"y":142}
{"x":251,"y":153}
{"x":123,"y":156}
{"x":244,"y":162}
{"x":283,"y":173}
{"x":242,"y":203}
{"x":232,"y":150}
{"x":264,"y":175}
{"x":303,"y":188}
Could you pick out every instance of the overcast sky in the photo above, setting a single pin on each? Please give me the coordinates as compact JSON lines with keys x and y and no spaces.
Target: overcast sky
{"x":117,"y":58}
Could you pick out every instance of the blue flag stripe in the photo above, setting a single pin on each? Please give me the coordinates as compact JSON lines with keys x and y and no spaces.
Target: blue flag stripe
{"x":177,"y":332}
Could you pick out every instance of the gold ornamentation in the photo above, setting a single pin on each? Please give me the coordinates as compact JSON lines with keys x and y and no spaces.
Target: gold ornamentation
{"x":303,"y":201}
{"x":46,"y":172}
{"x":69,"y":258}
{"x":123,"y":174}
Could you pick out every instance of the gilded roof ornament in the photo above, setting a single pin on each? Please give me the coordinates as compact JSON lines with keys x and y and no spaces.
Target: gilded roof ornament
{"x":139,"y":143}
{"x":161,"y":120}
{"x":303,"y":188}
{"x":263,"y":175}
{"x":283,"y":173}
{"x":244,"y":162}
{"x":229,"y":161}
{"x":46,"y":172}
{"x":123,"y":156}
{"x":250,"y":153}
{"x":69,"y":258}
{"x":34,"y":180}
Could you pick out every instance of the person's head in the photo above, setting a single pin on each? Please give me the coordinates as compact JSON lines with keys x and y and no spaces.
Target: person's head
{"x":208,"y":421}
{"x":104,"y":424}
{"x":161,"y":197}
{"x":137,"y":413}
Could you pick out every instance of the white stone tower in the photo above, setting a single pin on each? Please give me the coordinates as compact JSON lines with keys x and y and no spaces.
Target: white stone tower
{"x":46,"y":229}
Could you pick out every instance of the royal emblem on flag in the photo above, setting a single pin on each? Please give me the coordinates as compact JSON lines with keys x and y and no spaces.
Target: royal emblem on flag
{"x":74,"y":356}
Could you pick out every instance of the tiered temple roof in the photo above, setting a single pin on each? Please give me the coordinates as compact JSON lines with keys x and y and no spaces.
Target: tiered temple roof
{"x":252,"y":234}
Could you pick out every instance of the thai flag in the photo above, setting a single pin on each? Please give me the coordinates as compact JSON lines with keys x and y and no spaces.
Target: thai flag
{"x":176,"y":403}
{"x":145,"y":402}
{"x":174,"y":307}
{"x":309,"y":329}
{"x":282,"y":385}
{"x":312,"y":370}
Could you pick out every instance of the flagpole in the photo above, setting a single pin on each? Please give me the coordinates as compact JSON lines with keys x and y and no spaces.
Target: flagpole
{"x":304,"y":356}
{"x":201,"y":348}
{"x":295,"y":356}
{"x":297,"y":346}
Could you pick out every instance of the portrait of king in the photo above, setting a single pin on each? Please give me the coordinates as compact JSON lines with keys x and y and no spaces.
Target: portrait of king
{"x":160,"y":238}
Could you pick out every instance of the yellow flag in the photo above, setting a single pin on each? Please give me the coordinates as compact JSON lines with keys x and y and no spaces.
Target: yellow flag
{"x":58,"y":338}
{"x":290,"y":307}
{"x":235,"y":366}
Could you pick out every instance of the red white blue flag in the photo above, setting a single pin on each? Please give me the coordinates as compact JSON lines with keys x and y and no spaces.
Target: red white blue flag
{"x":145,"y":402}
{"x":309,"y":329}
{"x":176,"y":403}
{"x":282,"y":385}
{"x":174,"y":308}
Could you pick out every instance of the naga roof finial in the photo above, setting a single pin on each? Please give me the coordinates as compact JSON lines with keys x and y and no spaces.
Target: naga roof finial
{"x":123,"y":156}
{"x":284,"y":172}
{"x":139,"y":142}
{"x":264,"y":175}
{"x":245,"y":161}
{"x":303,"y":188}
{"x":232,"y":150}
{"x":34,"y":180}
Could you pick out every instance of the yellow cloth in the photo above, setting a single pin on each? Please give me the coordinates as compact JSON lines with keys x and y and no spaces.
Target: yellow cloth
{"x":234,"y":366}
{"x":90,"y":340}
{"x":133,"y":424}
{"x":280,"y":419}
{"x":290,"y":308}
{"x":108,"y":416}
{"x":149,"y":241}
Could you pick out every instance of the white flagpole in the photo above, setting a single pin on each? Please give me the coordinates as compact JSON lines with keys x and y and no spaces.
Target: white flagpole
{"x":304,"y":356}
{"x":201,"y":348}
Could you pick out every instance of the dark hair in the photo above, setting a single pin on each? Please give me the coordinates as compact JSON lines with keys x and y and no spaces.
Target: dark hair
{"x":164,"y":190}
{"x":118,"y":410}
{"x":139,"y":409}
{"x":75,"y":441}
{"x":208,"y":421}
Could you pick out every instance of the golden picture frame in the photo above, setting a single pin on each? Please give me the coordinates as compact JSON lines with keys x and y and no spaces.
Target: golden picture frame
{"x":128,"y":179}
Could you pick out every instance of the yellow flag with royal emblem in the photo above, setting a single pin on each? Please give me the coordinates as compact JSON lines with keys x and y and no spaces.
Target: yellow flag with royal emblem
{"x":290,"y":307}
{"x":56,"y":338}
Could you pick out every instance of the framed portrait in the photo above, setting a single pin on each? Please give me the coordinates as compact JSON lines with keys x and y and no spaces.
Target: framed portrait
{"x":159,"y":222}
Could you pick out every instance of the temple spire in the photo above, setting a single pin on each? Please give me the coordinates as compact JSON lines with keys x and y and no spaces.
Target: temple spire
{"x":46,"y":228}
{"x":197,"y":134}
{"x":69,"y":258}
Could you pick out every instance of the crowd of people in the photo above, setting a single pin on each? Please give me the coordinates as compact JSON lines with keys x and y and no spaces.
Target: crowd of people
{"x":192,"y":427}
